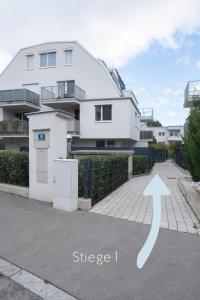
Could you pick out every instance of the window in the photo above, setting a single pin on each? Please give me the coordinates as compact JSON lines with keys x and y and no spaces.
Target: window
{"x":29,"y":62}
{"x":66,"y":89}
{"x":163,"y":133}
{"x":98,"y":113}
{"x":110,"y":143}
{"x":68,"y":57}
{"x":48,"y":59}
{"x":103,"y":112}
{"x":100,"y":144}
{"x":159,"y":133}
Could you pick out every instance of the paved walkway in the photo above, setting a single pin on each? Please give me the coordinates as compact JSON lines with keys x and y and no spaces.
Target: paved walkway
{"x":128,"y":202}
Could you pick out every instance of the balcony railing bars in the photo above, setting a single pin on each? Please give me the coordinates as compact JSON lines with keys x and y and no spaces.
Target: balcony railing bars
{"x":18,"y":95}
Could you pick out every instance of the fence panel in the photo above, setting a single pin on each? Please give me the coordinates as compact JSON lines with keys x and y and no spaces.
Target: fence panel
{"x":99,"y":177}
{"x":152,"y":154}
{"x":180,"y":159}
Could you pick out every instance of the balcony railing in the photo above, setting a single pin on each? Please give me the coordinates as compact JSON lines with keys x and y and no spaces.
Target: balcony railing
{"x":73,"y":126}
{"x":146,"y":135}
{"x":192,"y":92}
{"x":13,"y":127}
{"x":19,"y":95}
{"x":50,"y":93}
{"x":146,"y":114}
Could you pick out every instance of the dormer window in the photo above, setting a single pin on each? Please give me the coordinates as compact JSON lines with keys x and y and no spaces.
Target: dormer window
{"x":47,"y":59}
{"x":29,"y":62}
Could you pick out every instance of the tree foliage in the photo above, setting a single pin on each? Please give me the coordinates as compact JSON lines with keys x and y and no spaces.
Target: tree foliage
{"x":192,"y":142}
{"x":154,"y":124}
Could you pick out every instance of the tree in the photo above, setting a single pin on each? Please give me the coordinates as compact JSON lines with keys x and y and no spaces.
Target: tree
{"x":154,"y":124}
{"x":192,"y":142}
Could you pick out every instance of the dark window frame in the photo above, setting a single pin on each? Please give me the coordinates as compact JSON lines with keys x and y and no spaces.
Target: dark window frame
{"x":102,"y":115}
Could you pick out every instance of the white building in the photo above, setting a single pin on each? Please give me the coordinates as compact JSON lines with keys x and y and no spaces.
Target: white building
{"x":164,"y":135}
{"x":65,"y":76}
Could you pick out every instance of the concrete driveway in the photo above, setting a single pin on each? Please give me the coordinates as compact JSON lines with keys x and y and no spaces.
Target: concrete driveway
{"x":128,"y":202}
{"x":42,"y":241}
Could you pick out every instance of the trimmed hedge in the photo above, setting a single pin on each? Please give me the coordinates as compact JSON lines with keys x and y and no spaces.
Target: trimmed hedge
{"x":140,"y":164}
{"x":14,"y":168}
{"x":101,"y":174}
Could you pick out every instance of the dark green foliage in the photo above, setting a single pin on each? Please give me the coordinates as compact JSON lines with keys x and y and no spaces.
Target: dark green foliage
{"x":140,"y":164}
{"x":192,"y":143}
{"x":14,"y":168}
{"x":105,"y":173}
{"x":154,"y":124}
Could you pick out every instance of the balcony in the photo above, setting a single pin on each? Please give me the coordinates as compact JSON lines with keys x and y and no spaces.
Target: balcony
{"x":130,"y":94}
{"x":192,"y":93}
{"x":73,"y":127}
{"x":20,"y":100}
{"x":146,"y":135}
{"x":174,"y":136}
{"x":14,"y":127}
{"x":62,"y":96}
{"x":146,"y":114}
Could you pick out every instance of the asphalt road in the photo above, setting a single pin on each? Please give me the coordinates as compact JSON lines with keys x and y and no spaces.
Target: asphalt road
{"x":42,"y":241}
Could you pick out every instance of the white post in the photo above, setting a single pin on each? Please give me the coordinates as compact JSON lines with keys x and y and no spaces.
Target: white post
{"x":47,"y":141}
{"x":130,"y":166}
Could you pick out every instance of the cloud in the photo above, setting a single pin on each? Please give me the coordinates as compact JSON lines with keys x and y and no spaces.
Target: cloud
{"x":183,"y":60}
{"x":114,"y":30}
{"x":159,"y":101}
{"x":171,"y":114}
{"x":139,"y":91}
{"x":198,"y":64}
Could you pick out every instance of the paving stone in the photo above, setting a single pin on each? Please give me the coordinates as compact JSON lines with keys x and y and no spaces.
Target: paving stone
{"x":39,"y":287}
{"x":8,"y":269}
{"x":128,"y":202}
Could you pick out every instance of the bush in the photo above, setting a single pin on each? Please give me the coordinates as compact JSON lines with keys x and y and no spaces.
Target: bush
{"x":3,"y":126}
{"x":14,"y":168}
{"x":101,"y":174}
{"x":140,"y":164}
{"x":192,"y":143}
{"x":15,"y":124}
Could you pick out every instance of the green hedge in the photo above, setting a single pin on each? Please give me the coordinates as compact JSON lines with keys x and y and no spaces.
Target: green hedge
{"x":104,"y":174}
{"x":140,"y":164}
{"x":14,"y":168}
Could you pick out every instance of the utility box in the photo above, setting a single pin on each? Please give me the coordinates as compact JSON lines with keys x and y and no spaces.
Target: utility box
{"x":65,"y":189}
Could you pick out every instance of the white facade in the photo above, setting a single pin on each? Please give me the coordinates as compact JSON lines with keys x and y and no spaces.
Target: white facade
{"x":53,"y":71}
{"x":166,"y":135}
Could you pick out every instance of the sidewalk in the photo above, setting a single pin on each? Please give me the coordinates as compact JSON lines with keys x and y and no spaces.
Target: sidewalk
{"x":128,"y":202}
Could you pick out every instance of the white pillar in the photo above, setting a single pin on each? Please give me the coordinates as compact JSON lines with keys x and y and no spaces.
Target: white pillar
{"x":47,"y":141}
{"x":130,"y":166}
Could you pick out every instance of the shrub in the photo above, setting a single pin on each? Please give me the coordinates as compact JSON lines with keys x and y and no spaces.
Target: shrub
{"x":192,"y":143}
{"x":14,"y":168}
{"x":140,"y":164}
{"x":15,"y":124}
{"x":101,"y":174}
{"x":3,"y":126}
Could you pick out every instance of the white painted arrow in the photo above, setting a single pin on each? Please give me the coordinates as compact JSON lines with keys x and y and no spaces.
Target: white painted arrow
{"x":156,"y":188}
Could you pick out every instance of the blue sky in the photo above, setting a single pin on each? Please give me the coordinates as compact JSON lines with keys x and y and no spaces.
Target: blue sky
{"x":159,"y":75}
{"x":154,"y":44}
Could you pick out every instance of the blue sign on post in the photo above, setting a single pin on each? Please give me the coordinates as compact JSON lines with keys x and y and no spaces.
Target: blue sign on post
{"x":41,"y":137}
